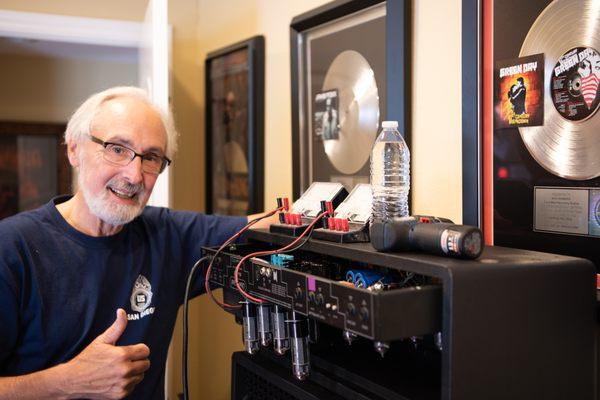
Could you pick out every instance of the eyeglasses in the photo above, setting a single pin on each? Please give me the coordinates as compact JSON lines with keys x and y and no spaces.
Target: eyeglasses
{"x":121,"y":155}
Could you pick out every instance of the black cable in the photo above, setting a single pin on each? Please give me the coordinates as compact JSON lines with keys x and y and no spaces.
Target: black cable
{"x":305,"y":240}
{"x":184,"y":367}
{"x":184,"y":352}
{"x":223,"y":305}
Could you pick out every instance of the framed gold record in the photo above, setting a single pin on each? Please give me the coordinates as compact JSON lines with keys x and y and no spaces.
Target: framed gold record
{"x":349,"y":72}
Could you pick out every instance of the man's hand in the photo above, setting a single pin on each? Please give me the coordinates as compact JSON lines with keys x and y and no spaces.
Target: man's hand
{"x":105,"y":371}
{"x":264,"y":223}
{"x":101,"y":371}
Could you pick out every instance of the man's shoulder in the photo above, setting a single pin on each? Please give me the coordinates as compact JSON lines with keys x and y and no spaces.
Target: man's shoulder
{"x":158,"y":217}
{"x":21,"y":231}
{"x":164,"y":214}
{"x":23,"y":223}
{"x":153,"y":213}
{"x":164,"y":217}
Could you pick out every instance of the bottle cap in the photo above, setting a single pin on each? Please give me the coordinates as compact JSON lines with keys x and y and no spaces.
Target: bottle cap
{"x":389,"y":124}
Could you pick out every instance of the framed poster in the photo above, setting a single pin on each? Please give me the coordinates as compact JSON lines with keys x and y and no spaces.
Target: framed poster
{"x":531,"y":175}
{"x":235,"y":128}
{"x":349,"y":63}
{"x":33,"y":165}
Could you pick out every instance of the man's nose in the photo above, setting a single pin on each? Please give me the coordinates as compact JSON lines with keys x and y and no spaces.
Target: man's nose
{"x":133,"y":171}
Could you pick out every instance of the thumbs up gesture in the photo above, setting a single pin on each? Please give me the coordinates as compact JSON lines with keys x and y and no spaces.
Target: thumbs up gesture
{"x":105,"y":371}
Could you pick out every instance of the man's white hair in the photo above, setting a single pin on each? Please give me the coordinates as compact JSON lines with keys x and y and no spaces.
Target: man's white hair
{"x":80,"y":124}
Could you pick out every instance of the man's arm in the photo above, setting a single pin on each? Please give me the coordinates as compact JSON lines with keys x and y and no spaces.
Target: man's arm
{"x":46,"y":384}
{"x":101,"y":371}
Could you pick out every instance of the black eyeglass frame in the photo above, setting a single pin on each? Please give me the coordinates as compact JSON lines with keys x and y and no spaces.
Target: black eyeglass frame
{"x":165,"y":160}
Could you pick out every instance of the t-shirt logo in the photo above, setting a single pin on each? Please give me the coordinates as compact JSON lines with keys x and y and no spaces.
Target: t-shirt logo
{"x":141,"y":295}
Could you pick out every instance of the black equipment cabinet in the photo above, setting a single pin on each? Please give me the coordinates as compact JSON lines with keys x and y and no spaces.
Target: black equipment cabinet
{"x":515,"y":324}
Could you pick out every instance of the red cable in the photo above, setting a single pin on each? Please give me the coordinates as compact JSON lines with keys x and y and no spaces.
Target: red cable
{"x":266,"y":253}
{"x":227,"y":242}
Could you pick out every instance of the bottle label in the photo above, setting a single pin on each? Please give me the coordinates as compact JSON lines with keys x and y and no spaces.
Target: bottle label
{"x":449,"y":241}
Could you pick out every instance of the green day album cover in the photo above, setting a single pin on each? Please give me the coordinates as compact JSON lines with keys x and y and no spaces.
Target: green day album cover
{"x":519,"y":92}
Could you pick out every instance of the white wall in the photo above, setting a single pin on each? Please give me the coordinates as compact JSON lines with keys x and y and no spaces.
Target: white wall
{"x":48,"y":89}
{"x":436,"y":105}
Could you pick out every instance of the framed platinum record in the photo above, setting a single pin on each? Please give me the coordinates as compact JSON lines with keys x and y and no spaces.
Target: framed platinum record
{"x":349,"y":72}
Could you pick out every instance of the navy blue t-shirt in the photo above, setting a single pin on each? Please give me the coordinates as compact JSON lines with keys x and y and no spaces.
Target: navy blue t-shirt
{"x":60,"y":288}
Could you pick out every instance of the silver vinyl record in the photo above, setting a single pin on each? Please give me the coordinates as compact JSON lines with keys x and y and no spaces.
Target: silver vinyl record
{"x":351,"y":75}
{"x":568,"y":143}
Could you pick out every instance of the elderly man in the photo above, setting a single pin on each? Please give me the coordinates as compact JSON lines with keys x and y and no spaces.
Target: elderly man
{"x":69,"y":266}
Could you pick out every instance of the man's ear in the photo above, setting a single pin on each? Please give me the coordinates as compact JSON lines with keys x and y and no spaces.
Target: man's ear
{"x":72,"y":150}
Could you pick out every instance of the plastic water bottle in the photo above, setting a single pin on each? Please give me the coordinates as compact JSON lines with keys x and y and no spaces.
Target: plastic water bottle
{"x":390,"y":174}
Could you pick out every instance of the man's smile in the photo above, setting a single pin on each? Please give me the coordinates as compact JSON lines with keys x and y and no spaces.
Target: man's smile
{"x":122,"y":194}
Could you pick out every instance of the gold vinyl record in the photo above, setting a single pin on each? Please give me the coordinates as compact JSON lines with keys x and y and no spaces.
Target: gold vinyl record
{"x":568,"y":143}
{"x":352,"y":77}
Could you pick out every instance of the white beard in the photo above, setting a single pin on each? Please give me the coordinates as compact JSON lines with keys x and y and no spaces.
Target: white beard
{"x":104,"y":207}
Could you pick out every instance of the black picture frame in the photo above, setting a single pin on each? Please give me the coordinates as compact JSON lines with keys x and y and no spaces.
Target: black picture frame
{"x":397,"y":67}
{"x":472,"y":82}
{"x":34,"y":166}
{"x":239,"y":69}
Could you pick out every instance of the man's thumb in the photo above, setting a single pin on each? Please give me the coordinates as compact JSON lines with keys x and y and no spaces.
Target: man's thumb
{"x":114,"y":332}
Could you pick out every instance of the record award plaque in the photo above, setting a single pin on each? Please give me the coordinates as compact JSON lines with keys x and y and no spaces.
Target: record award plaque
{"x":546,"y":160}
{"x":348,"y":74}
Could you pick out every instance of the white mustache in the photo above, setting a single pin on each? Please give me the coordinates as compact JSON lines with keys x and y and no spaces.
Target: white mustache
{"x":124,"y":186}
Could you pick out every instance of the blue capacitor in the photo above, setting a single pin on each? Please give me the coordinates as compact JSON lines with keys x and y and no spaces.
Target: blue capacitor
{"x":350,"y":276}
{"x":366,"y":278}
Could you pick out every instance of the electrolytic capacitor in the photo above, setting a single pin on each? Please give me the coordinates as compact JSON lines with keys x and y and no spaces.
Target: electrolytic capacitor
{"x":366,"y":278}
{"x":298,"y":326}
{"x":249,"y":331}
{"x":264,"y":324}
{"x":281,"y":341}
{"x":350,"y":276}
